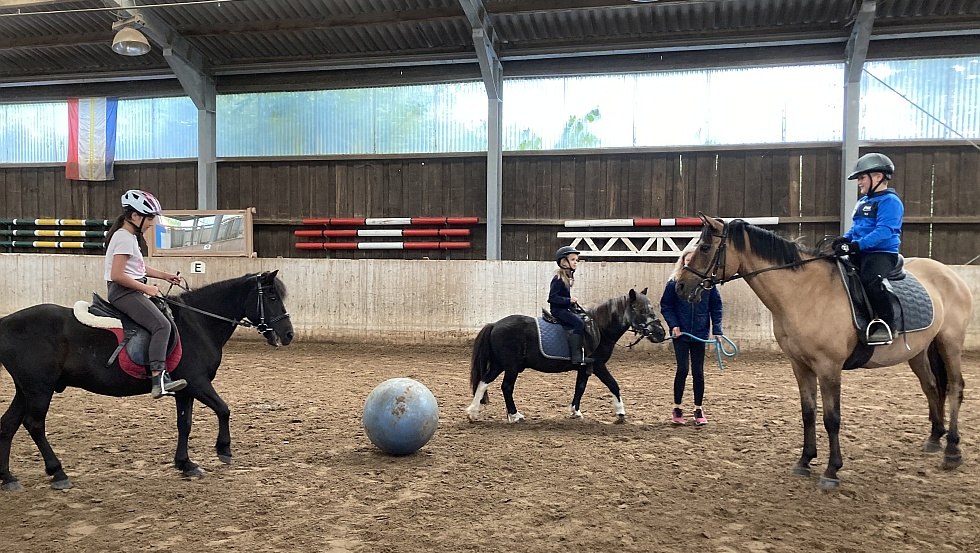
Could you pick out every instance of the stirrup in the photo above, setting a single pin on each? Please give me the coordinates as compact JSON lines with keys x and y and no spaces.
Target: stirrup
{"x":881,"y":335}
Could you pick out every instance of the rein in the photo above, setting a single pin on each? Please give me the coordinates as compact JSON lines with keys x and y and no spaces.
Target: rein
{"x":709,"y":278}
{"x":262,"y":327}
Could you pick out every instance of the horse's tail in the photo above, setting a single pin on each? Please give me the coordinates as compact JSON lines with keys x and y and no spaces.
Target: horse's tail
{"x":480,"y":361}
{"x":938,"y":366}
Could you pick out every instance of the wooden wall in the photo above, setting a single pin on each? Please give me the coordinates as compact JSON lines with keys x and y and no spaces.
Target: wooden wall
{"x":940,"y":185}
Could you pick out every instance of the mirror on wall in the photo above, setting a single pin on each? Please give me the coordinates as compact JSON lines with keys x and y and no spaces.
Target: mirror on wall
{"x":203,"y":233}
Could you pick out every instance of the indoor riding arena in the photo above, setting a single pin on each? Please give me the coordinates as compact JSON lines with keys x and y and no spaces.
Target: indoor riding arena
{"x":384,"y":179}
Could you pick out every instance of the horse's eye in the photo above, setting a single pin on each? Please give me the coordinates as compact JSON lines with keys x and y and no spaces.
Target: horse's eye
{"x":704,"y":248}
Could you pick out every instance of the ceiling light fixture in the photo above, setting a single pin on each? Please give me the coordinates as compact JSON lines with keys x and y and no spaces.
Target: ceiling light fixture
{"x":129,"y":41}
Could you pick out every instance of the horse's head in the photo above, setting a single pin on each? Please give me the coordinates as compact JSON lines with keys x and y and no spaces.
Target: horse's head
{"x":265,"y":309}
{"x":707,"y":266}
{"x":642,"y":316}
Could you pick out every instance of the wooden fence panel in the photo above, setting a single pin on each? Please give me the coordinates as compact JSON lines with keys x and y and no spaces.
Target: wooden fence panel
{"x":939,"y":184}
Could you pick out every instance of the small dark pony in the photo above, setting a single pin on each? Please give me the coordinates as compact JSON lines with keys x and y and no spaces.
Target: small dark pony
{"x":511,"y":344}
{"x":46,"y":349}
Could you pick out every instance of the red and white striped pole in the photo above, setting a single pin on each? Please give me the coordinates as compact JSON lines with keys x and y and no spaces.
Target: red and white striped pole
{"x":677,"y":222}
{"x":382,"y":245}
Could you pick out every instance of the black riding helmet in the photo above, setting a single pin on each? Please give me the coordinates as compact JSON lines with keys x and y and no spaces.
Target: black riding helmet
{"x":564,"y":252}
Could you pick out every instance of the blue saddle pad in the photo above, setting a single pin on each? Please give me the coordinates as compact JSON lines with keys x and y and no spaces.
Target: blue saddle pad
{"x":913,"y":308}
{"x":552,"y":340}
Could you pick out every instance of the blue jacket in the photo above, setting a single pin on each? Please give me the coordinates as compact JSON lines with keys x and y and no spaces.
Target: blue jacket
{"x":877,"y":222}
{"x":559,"y":297}
{"x":693,"y":318}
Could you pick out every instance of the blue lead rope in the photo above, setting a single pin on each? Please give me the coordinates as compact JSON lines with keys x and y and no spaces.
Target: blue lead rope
{"x":719,"y":347}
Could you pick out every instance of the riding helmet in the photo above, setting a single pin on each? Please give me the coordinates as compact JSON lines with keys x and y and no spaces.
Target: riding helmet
{"x":564,"y":252}
{"x":142,"y":202}
{"x":873,"y":163}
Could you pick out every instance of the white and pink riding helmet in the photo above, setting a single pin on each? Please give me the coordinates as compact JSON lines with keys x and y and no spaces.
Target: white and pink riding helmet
{"x":142,"y":202}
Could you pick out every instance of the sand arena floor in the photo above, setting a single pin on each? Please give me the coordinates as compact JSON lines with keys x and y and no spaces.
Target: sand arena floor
{"x":305,"y":477}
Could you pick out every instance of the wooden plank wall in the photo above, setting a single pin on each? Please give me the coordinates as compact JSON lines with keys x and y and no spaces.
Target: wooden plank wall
{"x":540,"y":191}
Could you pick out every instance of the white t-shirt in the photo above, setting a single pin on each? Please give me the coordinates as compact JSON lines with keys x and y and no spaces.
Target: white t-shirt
{"x":124,"y":243}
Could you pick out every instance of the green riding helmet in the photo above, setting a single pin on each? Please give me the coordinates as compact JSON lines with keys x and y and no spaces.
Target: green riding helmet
{"x":873,"y":163}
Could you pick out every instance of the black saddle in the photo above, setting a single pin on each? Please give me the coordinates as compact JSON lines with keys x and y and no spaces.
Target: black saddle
{"x":136,"y":339}
{"x":910,"y":302}
{"x":591,"y":332}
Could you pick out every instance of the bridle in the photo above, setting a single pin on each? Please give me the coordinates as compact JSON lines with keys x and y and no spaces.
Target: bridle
{"x":641,"y":330}
{"x":263,"y":327}
{"x":710,"y":278}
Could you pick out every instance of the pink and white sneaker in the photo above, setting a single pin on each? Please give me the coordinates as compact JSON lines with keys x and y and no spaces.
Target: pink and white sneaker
{"x":677,"y":417}
{"x":699,"y":418}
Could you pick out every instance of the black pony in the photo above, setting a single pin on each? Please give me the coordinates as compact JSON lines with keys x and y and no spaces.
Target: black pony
{"x":511,"y":344}
{"x":45,"y":349}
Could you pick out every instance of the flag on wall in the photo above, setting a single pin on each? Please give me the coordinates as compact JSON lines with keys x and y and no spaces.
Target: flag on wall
{"x":91,"y":138}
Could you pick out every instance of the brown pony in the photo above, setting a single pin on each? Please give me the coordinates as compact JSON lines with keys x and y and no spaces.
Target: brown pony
{"x":810,"y":317}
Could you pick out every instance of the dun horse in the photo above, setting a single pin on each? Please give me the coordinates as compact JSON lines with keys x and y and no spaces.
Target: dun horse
{"x":45,"y":349}
{"x":811,"y":315}
{"x":511,"y":344}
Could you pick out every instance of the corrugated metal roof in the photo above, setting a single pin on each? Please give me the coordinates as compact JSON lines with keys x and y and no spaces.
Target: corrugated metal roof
{"x":256,"y":36}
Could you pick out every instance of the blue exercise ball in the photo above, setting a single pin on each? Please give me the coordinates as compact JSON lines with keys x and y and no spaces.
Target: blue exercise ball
{"x":400,"y":416}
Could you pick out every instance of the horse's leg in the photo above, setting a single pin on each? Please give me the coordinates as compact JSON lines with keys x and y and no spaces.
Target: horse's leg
{"x":581,"y":379}
{"x":921,"y":368}
{"x":606,"y":377}
{"x":37,"y":411}
{"x":9,"y":423}
{"x":185,"y":419}
{"x":949,"y":354}
{"x":507,"y":388}
{"x":807,"y":383}
{"x":830,"y":397}
{"x":207,"y":395}
{"x":475,"y":406}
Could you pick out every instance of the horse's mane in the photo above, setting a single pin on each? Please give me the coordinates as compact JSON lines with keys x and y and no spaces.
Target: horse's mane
{"x":764,"y":243}
{"x":222,"y":288}
{"x":604,"y":312}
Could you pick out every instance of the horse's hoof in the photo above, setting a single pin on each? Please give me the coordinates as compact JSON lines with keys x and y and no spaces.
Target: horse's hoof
{"x":516,"y":417}
{"x":951,"y":462}
{"x":12,"y":486}
{"x":194,"y":472}
{"x":226,"y":459}
{"x":931,"y":446}
{"x":620,"y":419}
{"x":829,"y":483}
{"x":61,"y":484}
{"x":802,"y":471}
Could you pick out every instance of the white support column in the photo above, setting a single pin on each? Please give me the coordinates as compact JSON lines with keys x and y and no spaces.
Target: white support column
{"x":856,"y":52}
{"x":484,"y":40}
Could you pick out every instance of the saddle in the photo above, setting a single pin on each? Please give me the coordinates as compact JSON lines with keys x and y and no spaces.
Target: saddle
{"x":133,"y":339}
{"x":911,"y":303}
{"x":553,"y":335}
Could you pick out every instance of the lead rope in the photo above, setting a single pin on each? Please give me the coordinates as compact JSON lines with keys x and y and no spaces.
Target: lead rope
{"x":719,"y":347}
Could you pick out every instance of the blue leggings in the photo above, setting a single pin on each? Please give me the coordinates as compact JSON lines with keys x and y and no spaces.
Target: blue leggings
{"x":570,"y":320}
{"x":686,"y":350}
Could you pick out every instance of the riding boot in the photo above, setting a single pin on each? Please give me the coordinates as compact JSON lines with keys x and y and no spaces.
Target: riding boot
{"x":575,"y":346}
{"x":881,"y":330}
{"x":162,"y":385}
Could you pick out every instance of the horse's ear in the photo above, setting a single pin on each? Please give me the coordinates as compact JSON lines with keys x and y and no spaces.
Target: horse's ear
{"x":632,"y":294}
{"x":644,"y":291}
{"x":704,"y":218}
{"x":272,"y":275}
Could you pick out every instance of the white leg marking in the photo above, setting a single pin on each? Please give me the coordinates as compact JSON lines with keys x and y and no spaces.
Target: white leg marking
{"x":473,"y":410}
{"x":618,"y":406}
{"x":576,"y":414}
{"x":516,"y":417}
